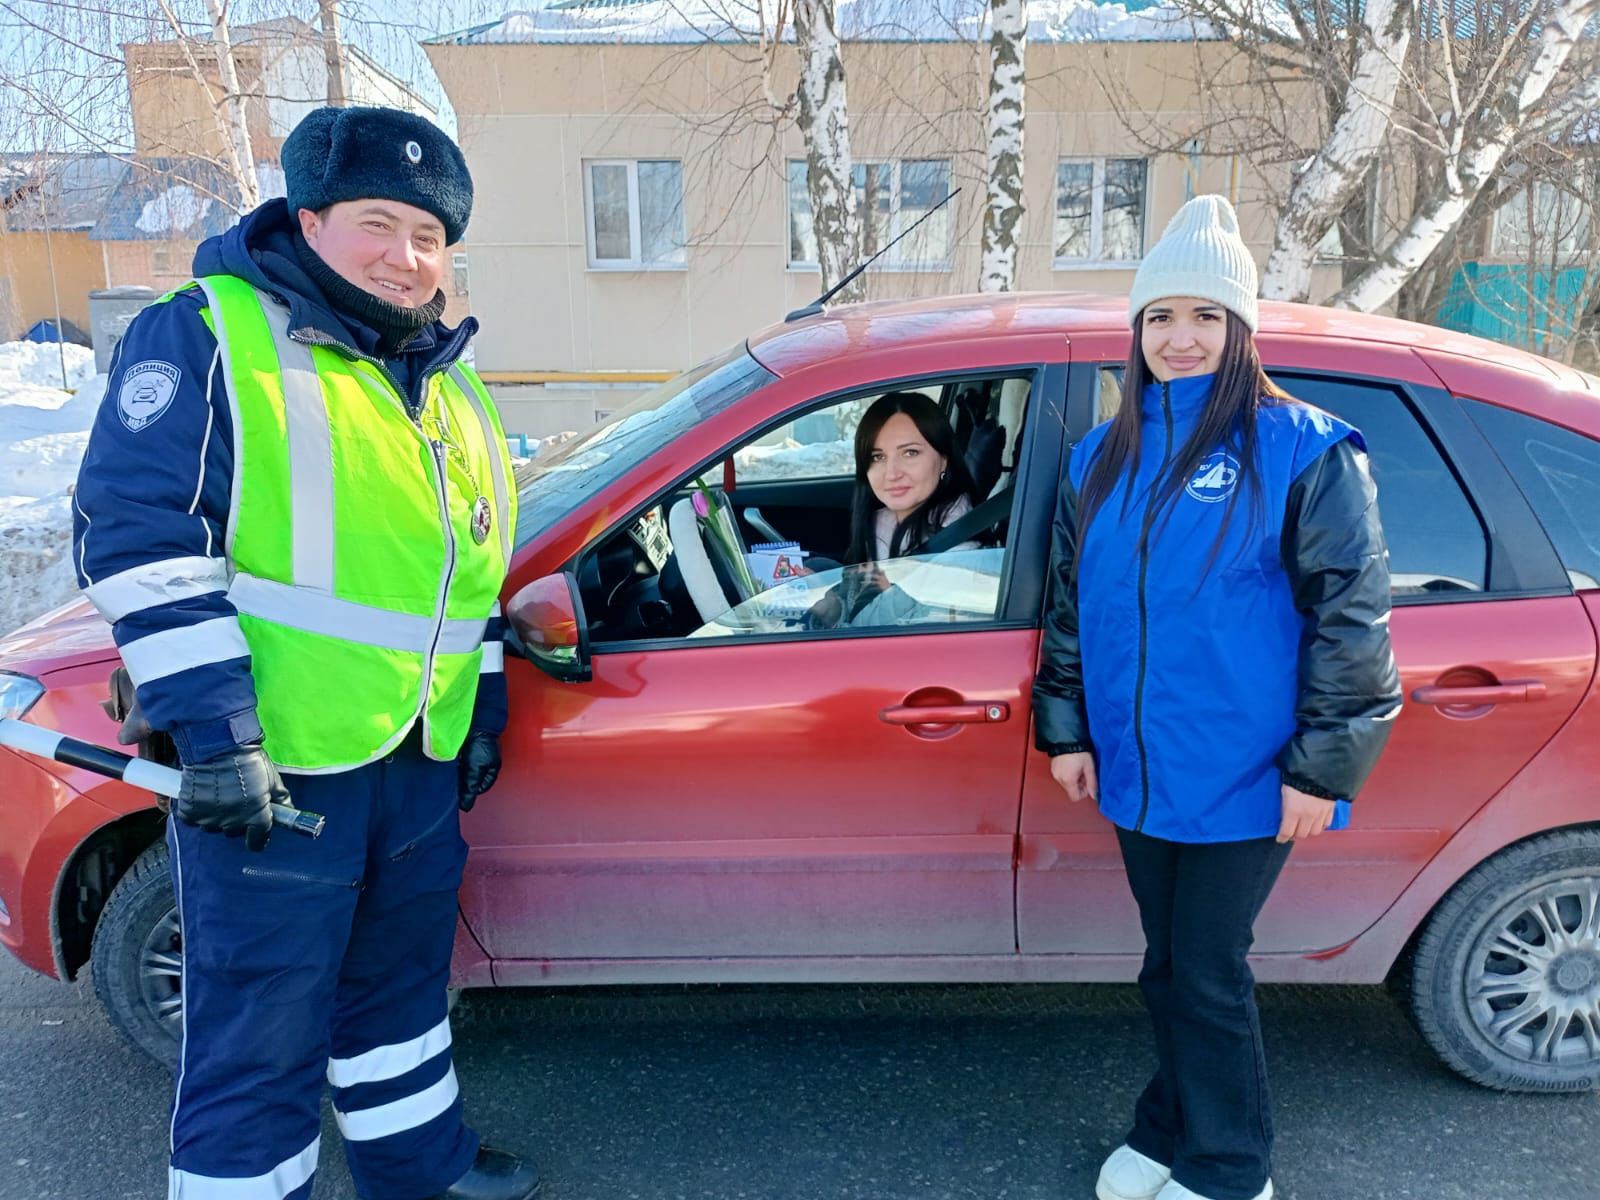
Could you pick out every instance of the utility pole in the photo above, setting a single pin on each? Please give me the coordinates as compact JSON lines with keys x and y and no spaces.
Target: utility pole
{"x":338,"y":94}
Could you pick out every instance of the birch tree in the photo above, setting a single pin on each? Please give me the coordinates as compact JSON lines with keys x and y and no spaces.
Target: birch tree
{"x":824,"y":120}
{"x":74,"y":74}
{"x":1516,"y":98}
{"x":1437,"y":96}
{"x":333,"y":51}
{"x":1437,"y":93}
{"x":1363,"y":116}
{"x":227,"y":108}
{"x":1003,"y":212}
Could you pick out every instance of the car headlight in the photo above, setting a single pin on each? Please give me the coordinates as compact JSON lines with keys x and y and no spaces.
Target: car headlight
{"x":18,"y":693}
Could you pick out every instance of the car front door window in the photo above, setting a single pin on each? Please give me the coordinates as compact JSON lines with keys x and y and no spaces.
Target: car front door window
{"x":729,"y":578}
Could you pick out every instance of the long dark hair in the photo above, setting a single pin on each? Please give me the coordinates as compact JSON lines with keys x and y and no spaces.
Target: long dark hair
{"x":1228,"y":423}
{"x":956,"y":483}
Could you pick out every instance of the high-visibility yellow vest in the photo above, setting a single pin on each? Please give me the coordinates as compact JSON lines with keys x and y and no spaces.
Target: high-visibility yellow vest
{"x":367,"y":549}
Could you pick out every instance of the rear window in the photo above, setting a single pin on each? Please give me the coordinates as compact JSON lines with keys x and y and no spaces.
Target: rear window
{"x":1559,"y":472}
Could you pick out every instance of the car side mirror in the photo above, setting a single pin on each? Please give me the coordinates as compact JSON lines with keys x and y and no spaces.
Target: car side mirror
{"x":547,"y":616}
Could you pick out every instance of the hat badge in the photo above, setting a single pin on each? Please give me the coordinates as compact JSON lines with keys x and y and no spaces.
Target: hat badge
{"x":413,"y":152}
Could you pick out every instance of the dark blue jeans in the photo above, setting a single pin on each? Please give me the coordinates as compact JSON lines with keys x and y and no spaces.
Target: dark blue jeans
{"x":1206,"y":1113}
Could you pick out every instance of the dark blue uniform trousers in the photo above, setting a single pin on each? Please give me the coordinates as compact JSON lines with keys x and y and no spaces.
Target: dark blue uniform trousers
{"x":323,"y":958}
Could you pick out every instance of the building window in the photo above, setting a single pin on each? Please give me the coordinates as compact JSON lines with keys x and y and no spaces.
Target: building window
{"x":1100,"y":206}
{"x":458,"y":269}
{"x":161,"y":260}
{"x":635,"y":214}
{"x":1542,"y":221}
{"x":891,"y":196}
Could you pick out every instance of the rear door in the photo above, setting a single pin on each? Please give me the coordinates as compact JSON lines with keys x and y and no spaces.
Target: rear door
{"x":1494,"y":649}
{"x":775,"y":795}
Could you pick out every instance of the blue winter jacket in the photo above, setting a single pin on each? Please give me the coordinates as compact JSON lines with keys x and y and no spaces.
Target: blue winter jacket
{"x":153,"y":492}
{"x":1201,"y":688}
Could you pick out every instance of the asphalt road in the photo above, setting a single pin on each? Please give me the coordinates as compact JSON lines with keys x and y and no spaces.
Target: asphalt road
{"x":886,"y":1093}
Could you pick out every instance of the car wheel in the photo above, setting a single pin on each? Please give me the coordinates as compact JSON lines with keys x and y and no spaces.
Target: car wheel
{"x":137,"y":958}
{"x":1505,"y":979}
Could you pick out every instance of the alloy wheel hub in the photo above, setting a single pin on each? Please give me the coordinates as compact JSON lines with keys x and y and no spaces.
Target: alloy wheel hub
{"x":1575,"y":972}
{"x":1533,"y":980}
{"x":161,"y":972}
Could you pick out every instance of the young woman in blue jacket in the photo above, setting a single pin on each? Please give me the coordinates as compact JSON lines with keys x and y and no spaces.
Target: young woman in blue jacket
{"x":1216,"y":673}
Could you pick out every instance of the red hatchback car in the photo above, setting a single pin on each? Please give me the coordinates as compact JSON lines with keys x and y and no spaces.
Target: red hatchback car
{"x":701,"y":785}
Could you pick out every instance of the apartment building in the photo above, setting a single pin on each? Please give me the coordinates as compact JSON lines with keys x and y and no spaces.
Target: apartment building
{"x":640,"y":206}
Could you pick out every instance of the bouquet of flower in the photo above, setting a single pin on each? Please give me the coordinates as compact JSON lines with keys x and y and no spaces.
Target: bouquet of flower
{"x":716,"y":520}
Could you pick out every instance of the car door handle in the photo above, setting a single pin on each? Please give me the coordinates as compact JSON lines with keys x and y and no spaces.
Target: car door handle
{"x":983,"y":713}
{"x":1515,"y":692}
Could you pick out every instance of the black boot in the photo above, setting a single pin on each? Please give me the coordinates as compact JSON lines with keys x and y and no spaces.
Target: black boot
{"x":495,"y":1175}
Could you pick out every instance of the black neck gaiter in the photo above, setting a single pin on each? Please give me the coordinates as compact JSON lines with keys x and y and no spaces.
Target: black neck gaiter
{"x":394,"y":324}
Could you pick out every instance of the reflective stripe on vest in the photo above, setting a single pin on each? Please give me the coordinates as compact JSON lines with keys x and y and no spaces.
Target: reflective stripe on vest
{"x":361,"y":589}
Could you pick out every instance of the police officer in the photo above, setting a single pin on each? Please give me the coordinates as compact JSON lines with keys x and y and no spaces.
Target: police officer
{"x":296,"y":509}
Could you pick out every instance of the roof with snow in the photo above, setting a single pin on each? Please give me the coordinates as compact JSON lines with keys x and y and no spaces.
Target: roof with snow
{"x":56,"y":191}
{"x":685,"y":22}
{"x":176,"y":199}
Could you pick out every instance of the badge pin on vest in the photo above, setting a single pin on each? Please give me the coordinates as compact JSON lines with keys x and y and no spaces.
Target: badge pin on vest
{"x":482,"y":519}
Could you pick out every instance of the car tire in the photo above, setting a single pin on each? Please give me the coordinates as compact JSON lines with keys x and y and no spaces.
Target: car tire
{"x":137,"y":958}
{"x":1505,"y":978}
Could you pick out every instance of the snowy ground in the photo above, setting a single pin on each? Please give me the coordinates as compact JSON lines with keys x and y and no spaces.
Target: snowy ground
{"x":43,"y":431}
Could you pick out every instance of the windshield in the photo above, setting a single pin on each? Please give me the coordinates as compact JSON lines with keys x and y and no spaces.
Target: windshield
{"x":562,"y":477}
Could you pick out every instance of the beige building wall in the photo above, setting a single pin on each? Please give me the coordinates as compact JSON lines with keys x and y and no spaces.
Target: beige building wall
{"x":175,"y":116}
{"x":35,"y":271}
{"x":531,"y":116}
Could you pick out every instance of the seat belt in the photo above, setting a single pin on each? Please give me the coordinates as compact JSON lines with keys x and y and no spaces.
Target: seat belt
{"x":989,"y":513}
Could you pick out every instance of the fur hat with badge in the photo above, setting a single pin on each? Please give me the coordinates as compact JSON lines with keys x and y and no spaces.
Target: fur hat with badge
{"x":338,"y":154}
{"x":1201,"y":255}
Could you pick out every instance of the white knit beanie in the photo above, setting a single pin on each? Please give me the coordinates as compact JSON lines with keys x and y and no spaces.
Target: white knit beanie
{"x":1201,"y":255}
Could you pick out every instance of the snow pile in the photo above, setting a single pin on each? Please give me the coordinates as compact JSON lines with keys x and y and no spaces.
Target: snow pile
{"x":43,"y":432}
{"x":175,"y":211}
{"x":792,"y":460}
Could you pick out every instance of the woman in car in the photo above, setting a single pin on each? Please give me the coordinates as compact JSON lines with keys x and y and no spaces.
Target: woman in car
{"x":1216,"y":672}
{"x":911,"y":482}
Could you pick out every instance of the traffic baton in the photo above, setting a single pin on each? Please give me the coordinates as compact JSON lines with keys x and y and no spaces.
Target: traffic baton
{"x":141,"y":772}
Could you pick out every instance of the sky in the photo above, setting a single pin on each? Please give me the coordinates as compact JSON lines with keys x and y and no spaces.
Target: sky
{"x":62,"y":86}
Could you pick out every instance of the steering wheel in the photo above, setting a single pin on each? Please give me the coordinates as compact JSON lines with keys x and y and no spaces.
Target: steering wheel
{"x":689,"y":543}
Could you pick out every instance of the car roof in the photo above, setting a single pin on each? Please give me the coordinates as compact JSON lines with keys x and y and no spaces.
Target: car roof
{"x":791,"y":346}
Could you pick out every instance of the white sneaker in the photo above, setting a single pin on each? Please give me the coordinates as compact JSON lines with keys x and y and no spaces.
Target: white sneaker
{"x":1129,"y":1175}
{"x":1176,"y":1191}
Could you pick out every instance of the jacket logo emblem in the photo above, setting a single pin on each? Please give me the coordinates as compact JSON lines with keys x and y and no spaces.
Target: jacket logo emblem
{"x":1215,"y":479}
{"x":147,"y":391}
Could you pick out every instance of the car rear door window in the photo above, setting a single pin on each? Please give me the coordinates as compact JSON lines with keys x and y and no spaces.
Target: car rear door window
{"x":1437,"y":544}
{"x":1559,"y":472}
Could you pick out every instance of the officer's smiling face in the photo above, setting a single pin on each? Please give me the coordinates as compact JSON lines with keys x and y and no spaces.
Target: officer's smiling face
{"x":392,"y":250}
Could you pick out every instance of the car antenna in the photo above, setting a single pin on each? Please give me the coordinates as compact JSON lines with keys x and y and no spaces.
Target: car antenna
{"x":815,"y":306}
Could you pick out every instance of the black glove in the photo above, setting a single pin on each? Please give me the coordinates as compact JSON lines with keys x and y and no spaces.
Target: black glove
{"x":480,"y":766}
{"x":230,"y":794}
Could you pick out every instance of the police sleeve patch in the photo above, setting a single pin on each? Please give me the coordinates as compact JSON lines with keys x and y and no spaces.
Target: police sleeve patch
{"x":147,"y":392}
